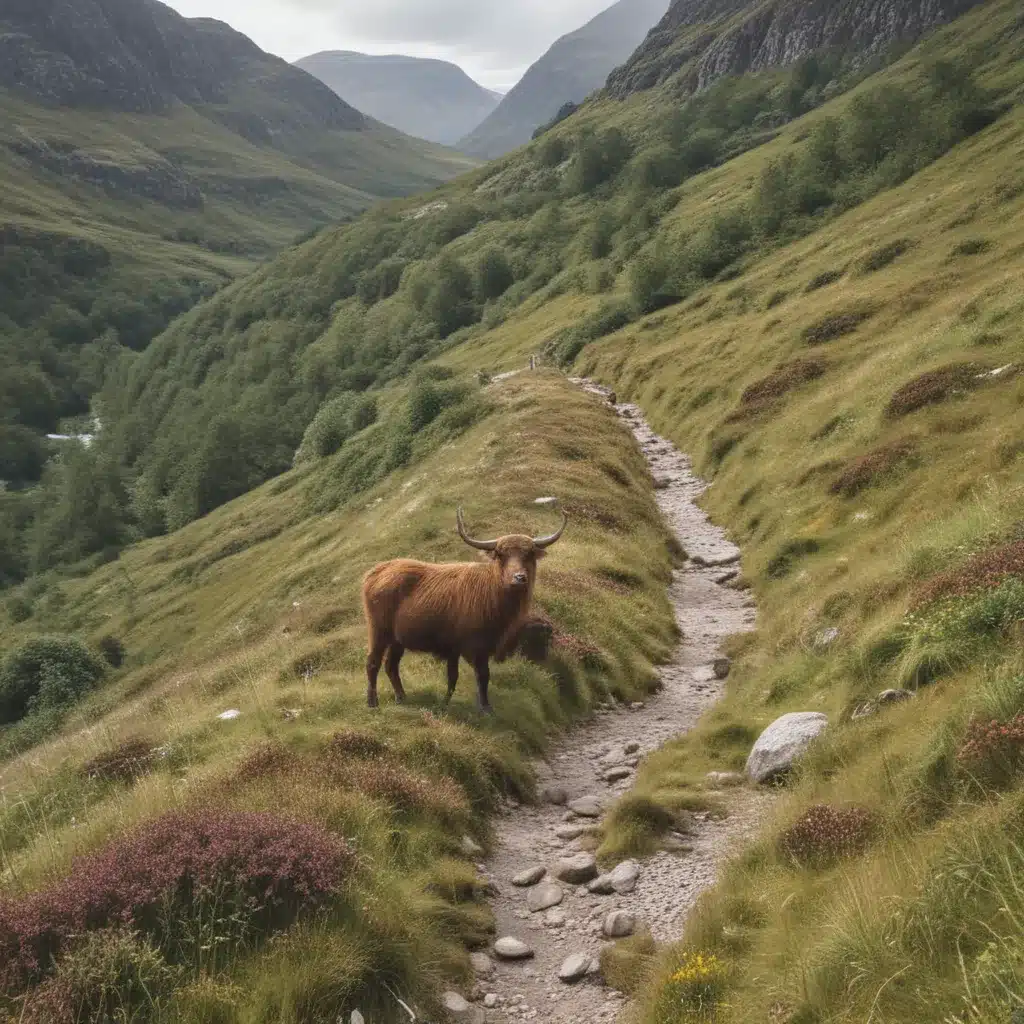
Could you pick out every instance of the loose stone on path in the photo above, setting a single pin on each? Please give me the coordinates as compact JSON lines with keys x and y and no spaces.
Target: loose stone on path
{"x":510,"y":948}
{"x":544,"y":896}
{"x":587,"y":807}
{"x":576,"y":870}
{"x":574,"y":968}
{"x":531,"y":876}
{"x":618,"y":924}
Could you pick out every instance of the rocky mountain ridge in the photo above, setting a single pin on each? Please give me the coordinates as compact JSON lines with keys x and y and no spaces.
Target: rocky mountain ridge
{"x":575,"y":66}
{"x":140,"y":56}
{"x":701,"y":41}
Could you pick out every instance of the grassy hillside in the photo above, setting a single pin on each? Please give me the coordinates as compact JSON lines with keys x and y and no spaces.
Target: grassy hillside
{"x":829,"y":322}
{"x":113,"y":223}
{"x":256,"y":608}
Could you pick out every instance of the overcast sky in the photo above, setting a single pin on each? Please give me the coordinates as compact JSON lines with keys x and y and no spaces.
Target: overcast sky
{"x":493,"y":40}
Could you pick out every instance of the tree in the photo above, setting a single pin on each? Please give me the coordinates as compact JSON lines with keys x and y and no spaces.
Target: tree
{"x":493,"y":274}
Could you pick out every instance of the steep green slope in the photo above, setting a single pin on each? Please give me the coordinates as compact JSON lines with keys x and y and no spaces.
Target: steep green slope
{"x":146,"y":161}
{"x":430,"y":99}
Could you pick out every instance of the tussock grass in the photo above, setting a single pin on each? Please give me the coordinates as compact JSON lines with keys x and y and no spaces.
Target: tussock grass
{"x":274,"y":631}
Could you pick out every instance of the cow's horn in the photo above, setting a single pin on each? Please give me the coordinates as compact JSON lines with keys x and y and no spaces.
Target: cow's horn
{"x":480,"y":545}
{"x":543,"y":542}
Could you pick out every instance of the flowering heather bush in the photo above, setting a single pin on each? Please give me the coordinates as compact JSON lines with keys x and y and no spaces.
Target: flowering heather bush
{"x":933,"y":386}
{"x":825,"y":834}
{"x":993,"y":752}
{"x":125,"y":763}
{"x":241,"y":874}
{"x":874,"y":467}
{"x":983,"y":571}
{"x":695,"y":990}
{"x":788,"y":376}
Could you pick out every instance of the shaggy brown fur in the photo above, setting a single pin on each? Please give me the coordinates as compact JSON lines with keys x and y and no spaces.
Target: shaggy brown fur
{"x":470,"y":610}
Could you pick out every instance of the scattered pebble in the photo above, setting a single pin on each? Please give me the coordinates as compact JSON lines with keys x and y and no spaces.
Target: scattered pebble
{"x":510,"y":948}
{"x":531,"y":876}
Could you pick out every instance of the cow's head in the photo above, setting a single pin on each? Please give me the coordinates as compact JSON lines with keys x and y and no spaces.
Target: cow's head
{"x":516,"y":554}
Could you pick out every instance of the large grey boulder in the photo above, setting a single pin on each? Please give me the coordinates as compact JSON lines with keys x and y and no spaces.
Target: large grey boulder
{"x":577,"y":870}
{"x":783,"y":743}
{"x":543,"y":897}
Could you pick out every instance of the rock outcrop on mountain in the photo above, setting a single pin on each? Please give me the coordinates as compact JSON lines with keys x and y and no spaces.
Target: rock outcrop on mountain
{"x":430,"y":99}
{"x":574,"y":67}
{"x":140,"y":56}
{"x":700,"y":41}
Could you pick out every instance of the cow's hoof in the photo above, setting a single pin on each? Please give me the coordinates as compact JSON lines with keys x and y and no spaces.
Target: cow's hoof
{"x":486,"y":709}
{"x":372,"y":703}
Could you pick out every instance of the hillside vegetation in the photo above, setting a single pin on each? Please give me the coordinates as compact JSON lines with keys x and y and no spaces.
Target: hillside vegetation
{"x":256,"y":608}
{"x":828,"y":317}
{"x":134,"y":186}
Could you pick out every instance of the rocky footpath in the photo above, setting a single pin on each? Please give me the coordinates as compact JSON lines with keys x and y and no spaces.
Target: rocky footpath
{"x":554,"y":909}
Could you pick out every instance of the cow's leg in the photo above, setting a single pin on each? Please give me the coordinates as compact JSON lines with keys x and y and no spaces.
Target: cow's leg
{"x":483,"y":678}
{"x":453,"y":677}
{"x":378,"y":645}
{"x":391,"y":667}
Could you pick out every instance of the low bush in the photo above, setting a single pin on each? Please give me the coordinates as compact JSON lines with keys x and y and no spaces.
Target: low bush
{"x":983,"y":571}
{"x":876,"y":466}
{"x":970,"y":247}
{"x":48,"y":673}
{"x":992,"y":753}
{"x":695,"y":990}
{"x":356,"y":743}
{"x":788,"y":376}
{"x":835,"y":325}
{"x":112,"y":649}
{"x":823,"y":279}
{"x":126,"y":762}
{"x":825,"y":834}
{"x":932,"y":387}
{"x":196,"y":882}
{"x":880,"y":258}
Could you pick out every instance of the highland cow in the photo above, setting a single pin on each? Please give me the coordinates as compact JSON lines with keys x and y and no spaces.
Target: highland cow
{"x":470,"y":610}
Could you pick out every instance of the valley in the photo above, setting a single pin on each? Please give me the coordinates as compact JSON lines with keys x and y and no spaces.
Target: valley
{"x":776,"y":329}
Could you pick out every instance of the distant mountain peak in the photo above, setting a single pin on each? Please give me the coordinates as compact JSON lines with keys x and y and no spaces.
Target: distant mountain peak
{"x":575,"y":66}
{"x":423,"y":96}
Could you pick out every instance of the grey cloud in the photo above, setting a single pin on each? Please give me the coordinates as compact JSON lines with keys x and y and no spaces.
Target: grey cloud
{"x":494,"y":41}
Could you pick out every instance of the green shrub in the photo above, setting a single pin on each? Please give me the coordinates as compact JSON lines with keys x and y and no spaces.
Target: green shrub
{"x":46,"y":673}
{"x":113,"y":650}
{"x":493,"y":274}
{"x":781,"y":563}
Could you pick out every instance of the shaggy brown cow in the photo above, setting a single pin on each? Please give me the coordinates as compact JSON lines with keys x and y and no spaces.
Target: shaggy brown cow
{"x":470,"y":610}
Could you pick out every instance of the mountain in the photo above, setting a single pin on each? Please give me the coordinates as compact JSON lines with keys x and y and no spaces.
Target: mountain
{"x":700,"y":41}
{"x":148,"y":159}
{"x":574,"y":66}
{"x":429,"y":99}
{"x":806,"y":278}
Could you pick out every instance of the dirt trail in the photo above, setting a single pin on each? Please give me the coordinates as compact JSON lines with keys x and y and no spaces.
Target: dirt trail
{"x":669,"y":882}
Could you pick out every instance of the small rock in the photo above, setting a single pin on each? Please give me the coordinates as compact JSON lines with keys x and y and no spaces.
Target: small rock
{"x":227,"y":716}
{"x":722,"y":667}
{"x":356,"y":1018}
{"x":482,"y":964}
{"x":509,"y":948}
{"x":724,"y":780}
{"x":782,"y":744}
{"x":631,"y":748}
{"x":895,"y":696}
{"x":676,"y":844}
{"x":574,"y":968}
{"x":546,"y":502}
{"x":470,"y":848}
{"x":601,"y":886}
{"x":617,"y":774}
{"x":459,"y":1009}
{"x":624,"y":877}
{"x":637,"y":705}
{"x":531,"y":876}
{"x":576,"y":870}
{"x":826,"y":637}
{"x":587,"y":807}
{"x":544,"y":896}
{"x":618,"y":924}
{"x":557,"y":795}
{"x":662,"y":483}
{"x":490,"y":1000}
{"x":727,"y":577}
{"x":570,"y":832}
{"x":555,"y":918}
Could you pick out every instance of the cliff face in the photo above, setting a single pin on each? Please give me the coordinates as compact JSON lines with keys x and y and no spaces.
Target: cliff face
{"x":704,"y":40}
{"x":140,"y":56}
